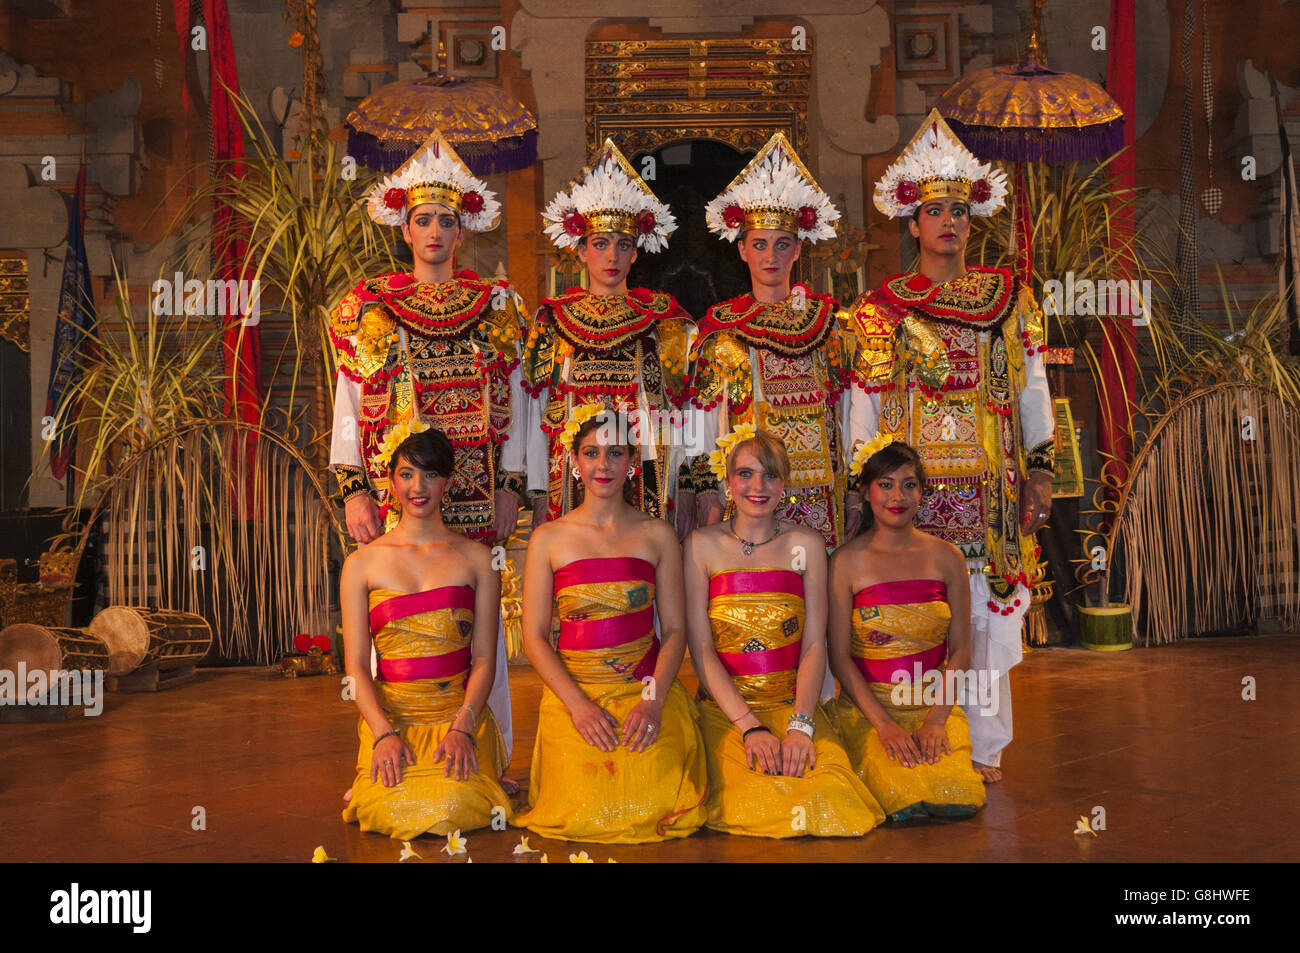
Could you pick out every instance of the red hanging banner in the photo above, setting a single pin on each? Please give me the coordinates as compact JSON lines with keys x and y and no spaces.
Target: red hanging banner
{"x":1119,"y":342}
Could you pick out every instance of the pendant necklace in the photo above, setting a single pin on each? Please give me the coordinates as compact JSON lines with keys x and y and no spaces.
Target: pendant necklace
{"x":746,"y":546}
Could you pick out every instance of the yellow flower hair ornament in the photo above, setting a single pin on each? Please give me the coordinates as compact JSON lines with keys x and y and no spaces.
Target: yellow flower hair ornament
{"x":581,"y":414}
{"x":866,"y":451}
{"x":718,"y":458}
{"x":396,"y":435}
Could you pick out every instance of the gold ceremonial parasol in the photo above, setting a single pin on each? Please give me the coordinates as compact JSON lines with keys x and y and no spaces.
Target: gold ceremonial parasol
{"x":1032,"y":113}
{"x":490,"y":129}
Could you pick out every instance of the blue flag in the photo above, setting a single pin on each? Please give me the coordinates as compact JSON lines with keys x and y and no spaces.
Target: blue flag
{"x":73,"y":330}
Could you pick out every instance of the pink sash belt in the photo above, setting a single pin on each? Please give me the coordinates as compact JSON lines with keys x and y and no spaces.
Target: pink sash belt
{"x":648,"y":661}
{"x":415,"y":603}
{"x":584,"y":634}
{"x":884,"y":669}
{"x":424,"y":666}
{"x":903,"y":592}
{"x":580,"y":634}
{"x":783,"y":581}
{"x":603,"y":569}
{"x":762,"y":663}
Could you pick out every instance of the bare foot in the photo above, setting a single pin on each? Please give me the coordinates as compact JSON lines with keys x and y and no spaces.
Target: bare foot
{"x":989,"y":773}
{"x":509,"y":785}
{"x":347,"y":796}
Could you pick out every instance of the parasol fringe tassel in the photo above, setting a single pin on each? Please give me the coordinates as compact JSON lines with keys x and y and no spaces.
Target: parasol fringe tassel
{"x":1041,"y":145}
{"x":482,"y":158}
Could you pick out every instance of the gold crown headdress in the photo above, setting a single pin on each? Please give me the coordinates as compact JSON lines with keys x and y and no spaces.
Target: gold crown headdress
{"x":776,"y":191}
{"x":936,"y":165}
{"x":609,"y":197}
{"x":435,"y":174}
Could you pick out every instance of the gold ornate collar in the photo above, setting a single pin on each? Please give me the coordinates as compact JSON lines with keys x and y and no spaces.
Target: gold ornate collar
{"x":601,"y":322}
{"x":781,"y":327}
{"x":437,"y":309}
{"x":979,"y":296}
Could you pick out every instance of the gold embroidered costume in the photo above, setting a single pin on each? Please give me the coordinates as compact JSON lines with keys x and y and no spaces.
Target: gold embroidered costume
{"x":451,"y":346}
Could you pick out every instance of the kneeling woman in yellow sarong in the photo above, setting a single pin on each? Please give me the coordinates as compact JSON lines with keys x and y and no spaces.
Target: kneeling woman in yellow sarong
{"x":899,"y":634}
{"x":756,"y":614}
{"x":429,"y":598}
{"x":618,"y":758}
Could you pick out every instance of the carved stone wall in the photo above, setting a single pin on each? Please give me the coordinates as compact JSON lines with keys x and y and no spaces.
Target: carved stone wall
{"x":844,"y":36}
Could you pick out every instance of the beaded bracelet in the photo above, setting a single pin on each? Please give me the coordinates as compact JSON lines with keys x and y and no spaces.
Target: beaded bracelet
{"x":386,"y":734}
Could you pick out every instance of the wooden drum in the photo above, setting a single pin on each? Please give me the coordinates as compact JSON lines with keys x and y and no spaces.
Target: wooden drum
{"x":51,"y":649}
{"x":136,"y":635}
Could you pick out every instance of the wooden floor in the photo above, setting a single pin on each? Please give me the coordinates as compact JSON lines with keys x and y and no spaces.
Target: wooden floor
{"x":1161,"y":739}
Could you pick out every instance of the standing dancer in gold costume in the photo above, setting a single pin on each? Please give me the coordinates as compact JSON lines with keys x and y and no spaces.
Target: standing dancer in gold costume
{"x":624,"y":349}
{"x":773,"y":358}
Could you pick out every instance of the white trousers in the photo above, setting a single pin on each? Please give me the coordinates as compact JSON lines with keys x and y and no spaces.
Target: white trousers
{"x":995,"y":650}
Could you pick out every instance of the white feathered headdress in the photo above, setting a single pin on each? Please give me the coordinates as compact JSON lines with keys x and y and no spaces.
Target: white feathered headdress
{"x":435,"y":174}
{"x":935,"y":165}
{"x":774,"y":191}
{"x":610,"y":197}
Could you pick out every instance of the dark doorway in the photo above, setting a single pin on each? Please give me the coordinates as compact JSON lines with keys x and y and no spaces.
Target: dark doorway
{"x":699,"y":268}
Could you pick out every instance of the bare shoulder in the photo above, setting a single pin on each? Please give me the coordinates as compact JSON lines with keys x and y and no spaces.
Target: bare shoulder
{"x":477,"y":554}
{"x":660,"y":534}
{"x":704,"y":539}
{"x":849,"y":552}
{"x":542,"y":535}
{"x":946,"y":556}
{"x":803,"y":536}
{"x":356,"y":563}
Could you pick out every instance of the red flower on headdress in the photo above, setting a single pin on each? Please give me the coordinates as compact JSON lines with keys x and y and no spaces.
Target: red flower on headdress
{"x":645,"y":222}
{"x":806,"y":217}
{"x":907,"y":192}
{"x":471,"y":202}
{"x":733,"y":216}
{"x":981,"y":191}
{"x":395,"y":198}
{"x":575,"y":223}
